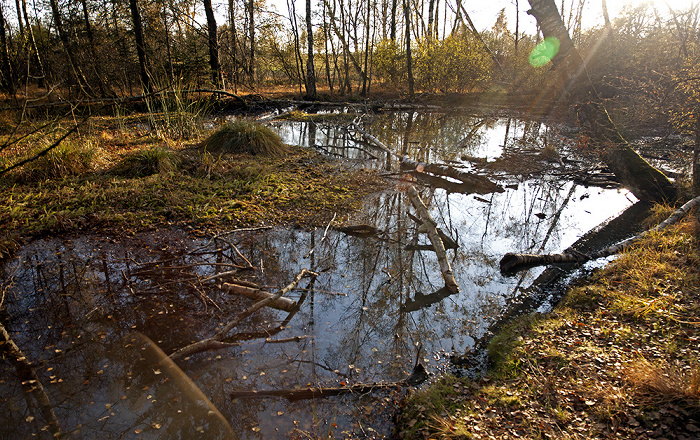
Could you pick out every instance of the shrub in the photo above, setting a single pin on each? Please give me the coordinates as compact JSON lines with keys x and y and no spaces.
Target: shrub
{"x":245,"y":137}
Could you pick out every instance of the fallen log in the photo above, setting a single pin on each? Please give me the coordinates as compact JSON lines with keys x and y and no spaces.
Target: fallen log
{"x":421,"y":300}
{"x":439,"y":247}
{"x":512,"y":262}
{"x":256,"y":293}
{"x":480,"y":184}
{"x":418,"y":376}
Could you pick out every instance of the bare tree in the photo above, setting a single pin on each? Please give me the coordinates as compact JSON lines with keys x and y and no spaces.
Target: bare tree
{"x":409,"y":60}
{"x":645,"y":181}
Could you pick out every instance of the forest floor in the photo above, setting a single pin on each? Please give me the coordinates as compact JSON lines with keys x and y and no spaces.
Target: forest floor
{"x":618,"y":357}
{"x":118,"y":176}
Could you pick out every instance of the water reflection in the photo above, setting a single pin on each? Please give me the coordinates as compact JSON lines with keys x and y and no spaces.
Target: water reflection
{"x":92,"y":315}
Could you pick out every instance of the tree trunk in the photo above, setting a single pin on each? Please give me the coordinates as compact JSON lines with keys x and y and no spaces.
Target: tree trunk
{"x":40,"y":77}
{"x":325,"y":48}
{"x":104,"y":87}
{"x":392,"y":27}
{"x":431,"y":10}
{"x":696,"y":157}
{"x":8,"y":83}
{"x":310,"y":71}
{"x":251,"y":34}
{"x":409,"y":61}
{"x":365,"y":78}
{"x":140,"y":48}
{"x":646,"y":182}
{"x":63,"y":36}
{"x":213,"y":44}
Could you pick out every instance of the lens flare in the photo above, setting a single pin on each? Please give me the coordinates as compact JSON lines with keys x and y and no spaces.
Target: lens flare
{"x":544,"y":52}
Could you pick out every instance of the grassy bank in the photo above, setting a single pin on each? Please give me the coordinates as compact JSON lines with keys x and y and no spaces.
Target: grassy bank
{"x":617,"y":358}
{"x":119,"y":175}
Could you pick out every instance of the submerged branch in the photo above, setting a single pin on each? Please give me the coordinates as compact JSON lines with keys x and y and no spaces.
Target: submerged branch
{"x":419,"y":375}
{"x":31,"y":382}
{"x":215,"y":341}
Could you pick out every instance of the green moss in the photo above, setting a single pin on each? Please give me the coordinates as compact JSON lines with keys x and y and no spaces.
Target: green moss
{"x":423,"y":408}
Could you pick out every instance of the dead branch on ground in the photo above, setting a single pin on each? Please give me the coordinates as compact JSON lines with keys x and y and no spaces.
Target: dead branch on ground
{"x":512,"y":262}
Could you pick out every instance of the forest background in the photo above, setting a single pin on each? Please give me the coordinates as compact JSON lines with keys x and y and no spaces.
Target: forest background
{"x":643,"y":62}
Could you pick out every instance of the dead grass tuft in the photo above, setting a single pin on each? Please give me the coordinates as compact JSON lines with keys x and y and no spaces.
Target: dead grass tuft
{"x":663,"y":383}
{"x":147,"y":162}
{"x":243,"y":137}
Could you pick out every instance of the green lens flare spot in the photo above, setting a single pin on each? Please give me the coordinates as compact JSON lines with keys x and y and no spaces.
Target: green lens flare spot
{"x":544,"y":52}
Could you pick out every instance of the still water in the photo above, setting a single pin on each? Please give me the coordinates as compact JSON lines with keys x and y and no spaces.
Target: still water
{"x":96,"y":316}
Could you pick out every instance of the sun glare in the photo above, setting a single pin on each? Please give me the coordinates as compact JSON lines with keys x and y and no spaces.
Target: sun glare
{"x":662,"y":6}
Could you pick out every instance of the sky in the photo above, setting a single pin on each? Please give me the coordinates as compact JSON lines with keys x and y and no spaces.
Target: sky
{"x":484,"y":13}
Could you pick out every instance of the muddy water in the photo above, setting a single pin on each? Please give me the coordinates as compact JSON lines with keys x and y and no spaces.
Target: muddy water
{"x":94,"y":314}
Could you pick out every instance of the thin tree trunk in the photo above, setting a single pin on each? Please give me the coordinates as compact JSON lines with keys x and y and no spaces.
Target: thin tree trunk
{"x":104,"y":88}
{"x":168,"y":45}
{"x":696,"y":157}
{"x":63,"y":36}
{"x":42,"y":74}
{"x":7,"y":82}
{"x":409,"y":61}
{"x":478,"y":36}
{"x":365,"y":78}
{"x":297,"y":45}
{"x":251,"y":34}
{"x":310,"y":71}
{"x":325,"y":49}
{"x":233,"y":45}
{"x":140,"y":48}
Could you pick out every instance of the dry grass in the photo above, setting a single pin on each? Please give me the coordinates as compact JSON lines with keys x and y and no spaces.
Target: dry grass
{"x":67,"y":159}
{"x":664,"y":383}
{"x":142,"y":163}
{"x":243,"y":137}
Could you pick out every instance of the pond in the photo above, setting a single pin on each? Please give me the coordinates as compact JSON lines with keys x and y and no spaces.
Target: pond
{"x":95,"y":314}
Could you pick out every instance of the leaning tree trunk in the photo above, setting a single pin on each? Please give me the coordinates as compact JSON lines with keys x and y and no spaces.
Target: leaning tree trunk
{"x":63,"y":36}
{"x":646,"y":182}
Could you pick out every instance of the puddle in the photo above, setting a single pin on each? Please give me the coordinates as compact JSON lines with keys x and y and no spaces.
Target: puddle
{"x":92,"y":314}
